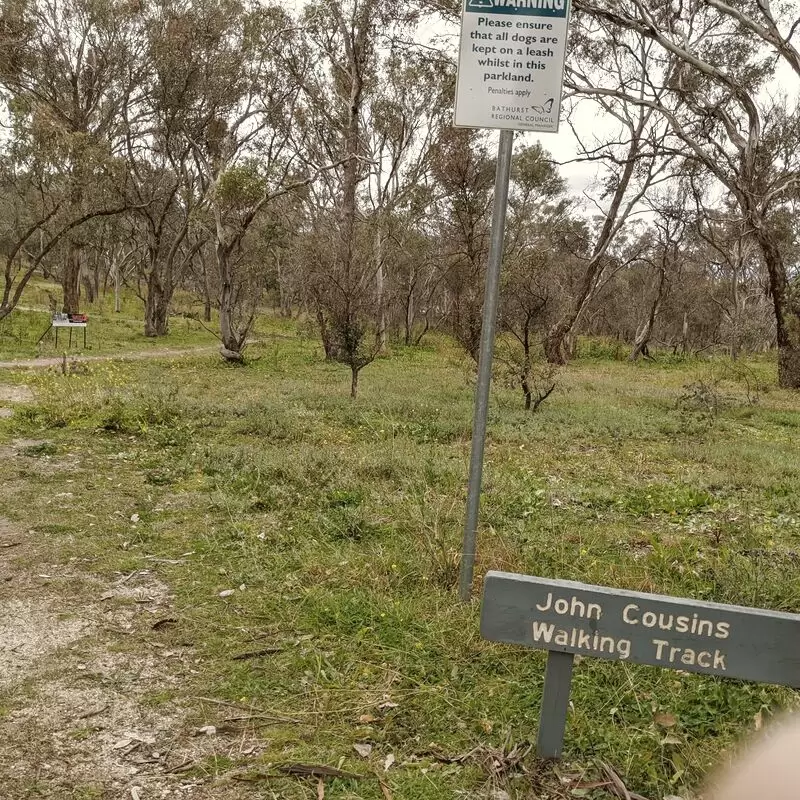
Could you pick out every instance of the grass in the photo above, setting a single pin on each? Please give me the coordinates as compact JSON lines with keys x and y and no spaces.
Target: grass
{"x":108,"y":333}
{"x":337,"y":525}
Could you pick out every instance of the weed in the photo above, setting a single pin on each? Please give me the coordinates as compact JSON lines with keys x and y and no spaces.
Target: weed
{"x":114,"y":416}
{"x":39,"y":450}
{"x":721,"y":386}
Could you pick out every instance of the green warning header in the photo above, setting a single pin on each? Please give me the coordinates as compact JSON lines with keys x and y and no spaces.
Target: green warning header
{"x":528,"y":8}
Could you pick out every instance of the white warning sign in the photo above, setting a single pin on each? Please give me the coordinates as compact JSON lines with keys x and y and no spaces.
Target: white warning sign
{"x":511,"y":64}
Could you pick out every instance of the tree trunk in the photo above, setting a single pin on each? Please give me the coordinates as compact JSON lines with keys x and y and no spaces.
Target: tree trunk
{"x":789,"y":367}
{"x":786,"y":303}
{"x":46,"y":274}
{"x":380,"y":289}
{"x":353,"y":382}
{"x":231,"y":340}
{"x":526,"y":391}
{"x":641,"y":342}
{"x":284,"y":295}
{"x":89,"y":287}
{"x":70,"y":280}
{"x":526,"y":366}
{"x":227,"y":332}
{"x":117,"y":289}
{"x":356,"y":49}
{"x":156,"y":307}
{"x":554,"y":349}
{"x":646,"y":331}
{"x":685,"y":334}
{"x":71,"y":276}
{"x":738,"y":309}
{"x":409,"y":315}
{"x":325,"y":334}
{"x":206,"y":291}
{"x":425,"y":328}
{"x":96,"y":278}
{"x":106,"y":276}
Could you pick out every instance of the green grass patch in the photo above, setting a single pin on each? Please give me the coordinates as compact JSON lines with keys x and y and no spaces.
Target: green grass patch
{"x":338,"y":524}
{"x":108,"y":332}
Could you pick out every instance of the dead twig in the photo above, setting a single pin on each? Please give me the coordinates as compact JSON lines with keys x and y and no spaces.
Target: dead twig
{"x":125,"y":578}
{"x":255,"y":712}
{"x":184,"y":767}
{"x":385,"y":790}
{"x":265,"y":651}
{"x":616,"y":785}
{"x":251,"y":717}
{"x":94,"y":713}
{"x":316,"y":771}
{"x":236,"y":725}
{"x":590,"y":785}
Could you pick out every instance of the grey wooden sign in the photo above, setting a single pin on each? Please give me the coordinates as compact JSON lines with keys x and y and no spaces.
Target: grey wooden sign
{"x":571,"y":618}
{"x":715,"y":639}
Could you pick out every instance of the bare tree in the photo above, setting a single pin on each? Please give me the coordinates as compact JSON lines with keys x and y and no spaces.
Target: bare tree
{"x":663,"y":258}
{"x":464,"y":174}
{"x":709,"y":86}
{"x":403,"y":119}
{"x":740,"y":285}
{"x":538,"y":221}
{"x":631,"y":158}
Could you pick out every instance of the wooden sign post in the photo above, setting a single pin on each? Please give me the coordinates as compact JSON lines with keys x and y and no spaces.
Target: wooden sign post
{"x":568,"y":619}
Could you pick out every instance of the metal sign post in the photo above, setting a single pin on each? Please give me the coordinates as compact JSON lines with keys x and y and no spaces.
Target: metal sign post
{"x":567,"y":618}
{"x":510,"y":75}
{"x":485,"y":357}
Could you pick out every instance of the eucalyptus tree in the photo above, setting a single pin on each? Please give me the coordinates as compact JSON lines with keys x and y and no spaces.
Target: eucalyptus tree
{"x":169,"y":198}
{"x":738,"y":280}
{"x":246,"y":156}
{"x":712,"y":78}
{"x":354,"y":43}
{"x":36,"y":219}
{"x":663,"y":259}
{"x":403,"y":117}
{"x":159,"y":146}
{"x":540,"y":223}
{"x":414,"y":256}
{"x":464,"y":173}
{"x":628,"y":153}
{"x":67,"y":71}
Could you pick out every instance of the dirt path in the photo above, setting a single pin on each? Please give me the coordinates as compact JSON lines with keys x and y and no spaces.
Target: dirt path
{"x":94,"y":668}
{"x":91,"y":673}
{"x":55,"y":361}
